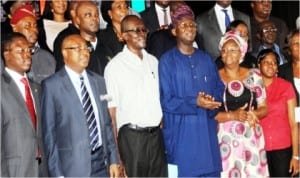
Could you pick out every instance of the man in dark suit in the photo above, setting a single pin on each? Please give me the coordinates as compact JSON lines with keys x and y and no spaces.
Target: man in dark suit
{"x":154,"y":17}
{"x":89,"y":30}
{"x":261,"y":11}
{"x":20,"y":137}
{"x":212,"y":26}
{"x":162,"y":40}
{"x":77,"y":130}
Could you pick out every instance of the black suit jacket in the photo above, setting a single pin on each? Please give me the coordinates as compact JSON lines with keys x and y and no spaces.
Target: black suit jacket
{"x":163,"y":40}
{"x":150,"y":19}
{"x":110,"y":40}
{"x":286,"y":71}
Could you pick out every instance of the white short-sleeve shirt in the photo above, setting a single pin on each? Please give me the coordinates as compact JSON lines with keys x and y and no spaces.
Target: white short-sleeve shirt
{"x":133,"y":86}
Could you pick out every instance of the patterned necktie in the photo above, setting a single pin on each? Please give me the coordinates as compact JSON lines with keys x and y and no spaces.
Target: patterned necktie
{"x":29,"y":101}
{"x":227,"y":19}
{"x":90,"y":116}
{"x":165,"y":16}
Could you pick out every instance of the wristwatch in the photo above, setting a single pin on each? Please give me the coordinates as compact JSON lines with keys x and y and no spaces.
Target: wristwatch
{"x":296,"y":157}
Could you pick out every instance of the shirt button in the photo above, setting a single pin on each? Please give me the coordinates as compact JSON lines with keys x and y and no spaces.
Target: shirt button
{"x":192,"y":66}
{"x":195,"y":77}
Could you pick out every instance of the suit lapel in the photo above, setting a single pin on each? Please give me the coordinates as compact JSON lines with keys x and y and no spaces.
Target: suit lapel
{"x":13,"y":88}
{"x":68,"y":86}
{"x":97,"y":92}
{"x":95,"y":89}
{"x":212,"y":19}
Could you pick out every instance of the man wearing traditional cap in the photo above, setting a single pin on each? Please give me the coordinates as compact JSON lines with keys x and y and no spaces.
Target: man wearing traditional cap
{"x":190,"y":95}
{"x":43,"y":63}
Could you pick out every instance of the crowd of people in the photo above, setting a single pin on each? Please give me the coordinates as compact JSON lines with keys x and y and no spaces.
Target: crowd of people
{"x":214,"y":95}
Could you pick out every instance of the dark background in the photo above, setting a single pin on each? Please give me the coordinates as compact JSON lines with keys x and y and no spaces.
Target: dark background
{"x":286,"y":10}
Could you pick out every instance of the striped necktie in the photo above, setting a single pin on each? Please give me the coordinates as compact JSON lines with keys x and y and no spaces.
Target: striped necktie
{"x":90,"y":116}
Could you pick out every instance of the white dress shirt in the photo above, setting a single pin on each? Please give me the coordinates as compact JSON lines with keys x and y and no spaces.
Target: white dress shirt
{"x":133,"y":86}
{"x":221,"y":16}
{"x":75,"y":79}
{"x":17,"y":79}
{"x":160,"y":14}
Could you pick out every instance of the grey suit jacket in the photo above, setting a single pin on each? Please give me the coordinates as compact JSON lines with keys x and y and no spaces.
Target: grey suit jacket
{"x":210,"y":33}
{"x":19,"y":140}
{"x":65,"y":132}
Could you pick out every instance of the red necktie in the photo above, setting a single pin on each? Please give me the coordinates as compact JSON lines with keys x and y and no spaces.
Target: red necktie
{"x":29,"y":102}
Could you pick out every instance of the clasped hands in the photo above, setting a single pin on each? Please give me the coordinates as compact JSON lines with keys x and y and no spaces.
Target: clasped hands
{"x":244,"y":115}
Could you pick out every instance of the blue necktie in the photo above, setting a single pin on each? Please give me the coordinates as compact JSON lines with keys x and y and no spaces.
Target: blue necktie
{"x":227,"y":19}
{"x":90,"y":116}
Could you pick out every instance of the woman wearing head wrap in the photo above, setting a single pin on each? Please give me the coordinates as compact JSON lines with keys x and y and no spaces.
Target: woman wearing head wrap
{"x":241,"y":28}
{"x":190,"y":93}
{"x":244,"y":103}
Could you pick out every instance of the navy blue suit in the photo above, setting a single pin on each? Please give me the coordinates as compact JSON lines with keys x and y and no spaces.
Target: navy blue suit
{"x":65,"y":132}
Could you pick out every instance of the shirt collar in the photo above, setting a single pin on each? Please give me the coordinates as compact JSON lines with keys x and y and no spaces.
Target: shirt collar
{"x":74,"y":75}
{"x":218,"y":8}
{"x":157,"y":7}
{"x":15,"y":75}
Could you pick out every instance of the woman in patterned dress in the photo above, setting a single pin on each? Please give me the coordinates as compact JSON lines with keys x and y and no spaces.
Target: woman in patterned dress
{"x":244,"y":103}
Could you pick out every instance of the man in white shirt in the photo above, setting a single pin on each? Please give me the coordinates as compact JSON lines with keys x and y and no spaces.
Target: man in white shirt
{"x":132,"y":83}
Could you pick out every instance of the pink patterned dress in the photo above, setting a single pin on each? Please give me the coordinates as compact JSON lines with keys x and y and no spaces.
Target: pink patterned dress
{"x":241,"y":146}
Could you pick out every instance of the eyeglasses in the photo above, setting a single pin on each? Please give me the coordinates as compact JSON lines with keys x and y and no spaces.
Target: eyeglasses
{"x":269,"y":29}
{"x":21,"y":50}
{"x":187,"y":25}
{"x":80,"y":48}
{"x":230,"y":50}
{"x":137,"y":30}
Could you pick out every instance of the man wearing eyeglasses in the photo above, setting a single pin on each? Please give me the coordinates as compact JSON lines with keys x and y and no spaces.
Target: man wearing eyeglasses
{"x":267,"y":35}
{"x":77,"y":130}
{"x":20,"y":137}
{"x":190,"y":94}
{"x":261,"y":10}
{"x":132,"y":82}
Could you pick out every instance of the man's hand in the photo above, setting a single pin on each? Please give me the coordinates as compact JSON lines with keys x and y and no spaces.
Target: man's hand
{"x":114,"y":171}
{"x":206,"y":101}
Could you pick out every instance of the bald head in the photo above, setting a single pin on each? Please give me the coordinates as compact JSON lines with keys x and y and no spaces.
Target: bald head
{"x":128,"y":20}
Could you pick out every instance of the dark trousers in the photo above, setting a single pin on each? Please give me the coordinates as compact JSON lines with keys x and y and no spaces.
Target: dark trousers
{"x":98,"y":166}
{"x":142,"y":152}
{"x":279,"y":162}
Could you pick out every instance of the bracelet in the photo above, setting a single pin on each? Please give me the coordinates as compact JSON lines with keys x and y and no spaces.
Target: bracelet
{"x":296,"y":157}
